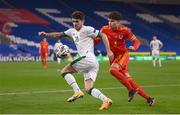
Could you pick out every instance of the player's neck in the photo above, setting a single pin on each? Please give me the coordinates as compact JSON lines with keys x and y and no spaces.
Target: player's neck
{"x":78,"y":29}
{"x":115,"y":28}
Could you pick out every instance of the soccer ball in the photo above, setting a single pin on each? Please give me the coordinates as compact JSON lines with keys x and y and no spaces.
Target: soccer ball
{"x":61,"y":51}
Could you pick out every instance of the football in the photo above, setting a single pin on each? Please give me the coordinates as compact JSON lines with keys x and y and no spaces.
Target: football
{"x":61,"y":51}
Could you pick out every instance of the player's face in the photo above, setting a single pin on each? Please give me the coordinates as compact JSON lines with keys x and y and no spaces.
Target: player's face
{"x":44,"y":39}
{"x":154,"y":38}
{"x":113,"y":23}
{"x":77,"y":23}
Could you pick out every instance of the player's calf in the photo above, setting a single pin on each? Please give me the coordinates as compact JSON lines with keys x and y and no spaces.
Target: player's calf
{"x":132,"y":94}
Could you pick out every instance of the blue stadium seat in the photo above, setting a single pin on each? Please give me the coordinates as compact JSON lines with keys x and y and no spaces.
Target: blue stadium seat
{"x":166,"y":32}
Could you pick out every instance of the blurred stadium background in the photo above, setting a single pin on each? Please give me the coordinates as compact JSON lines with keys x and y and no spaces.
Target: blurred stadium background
{"x":21,"y":20}
{"x":145,"y":18}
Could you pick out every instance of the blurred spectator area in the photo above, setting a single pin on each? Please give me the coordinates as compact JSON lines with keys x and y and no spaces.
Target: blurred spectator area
{"x":27,"y":18}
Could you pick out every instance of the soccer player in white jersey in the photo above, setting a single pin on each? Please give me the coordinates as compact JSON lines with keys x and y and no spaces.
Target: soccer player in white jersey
{"x":68,"y":57}
{"x":155,"y":46}
{"x":55,"y":45}
{"x":86,"y":63}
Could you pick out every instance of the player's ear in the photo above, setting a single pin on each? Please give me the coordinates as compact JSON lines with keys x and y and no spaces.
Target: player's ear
{"x":83,"y":21}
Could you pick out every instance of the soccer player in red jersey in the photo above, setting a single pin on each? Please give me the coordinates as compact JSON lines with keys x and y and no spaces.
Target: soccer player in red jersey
{"x":43,"y":50}
{"x":117,"y":35}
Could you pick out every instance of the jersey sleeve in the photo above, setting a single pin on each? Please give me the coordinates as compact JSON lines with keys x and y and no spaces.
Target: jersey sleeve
{"x":133,"y":38}
{"x":104,"y":29}
{"x":160,"y":43}
{"x":129,"y":34}
{"x":68,"y":32}
{"x":93,"y":33}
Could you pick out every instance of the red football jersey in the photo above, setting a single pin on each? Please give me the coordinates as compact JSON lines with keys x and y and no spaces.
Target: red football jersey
{"x":117,"y":38}
{"x":44,"y":46}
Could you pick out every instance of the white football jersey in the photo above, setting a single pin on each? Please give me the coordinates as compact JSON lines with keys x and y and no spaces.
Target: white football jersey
{"x":155,"y":44}
{"x":57,"y":44}
{"x":83,"y":39}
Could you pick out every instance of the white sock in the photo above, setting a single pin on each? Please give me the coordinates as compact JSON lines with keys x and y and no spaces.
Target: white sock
{"x":154,"y":63}
{"x":72,"y":82}
{"x":159,"y":63}
{"x":59,"y":60}
{"x":97,"y":94}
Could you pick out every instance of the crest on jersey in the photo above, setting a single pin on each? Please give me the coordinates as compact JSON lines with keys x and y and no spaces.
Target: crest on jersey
{"x":120,"y":36}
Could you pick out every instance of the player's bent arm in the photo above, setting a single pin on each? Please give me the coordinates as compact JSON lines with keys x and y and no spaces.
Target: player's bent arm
{"x":106,"y":43}
{"x":134,"y":39}
{"x":52,"y":35}
{"x":136,"y":44}
{"x":150,"y":45}
{"x":161,"y":45}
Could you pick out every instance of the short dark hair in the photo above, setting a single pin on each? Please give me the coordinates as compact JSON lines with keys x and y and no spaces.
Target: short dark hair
{"x":78,"y":15}
{"x":115,"y":15}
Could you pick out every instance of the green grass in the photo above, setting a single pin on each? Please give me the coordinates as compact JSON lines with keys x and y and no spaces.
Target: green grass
{"x":27,"y":88}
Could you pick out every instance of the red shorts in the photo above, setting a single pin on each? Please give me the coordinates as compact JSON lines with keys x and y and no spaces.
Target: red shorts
{"x":44,"y":55}
{"x":122,"y":60}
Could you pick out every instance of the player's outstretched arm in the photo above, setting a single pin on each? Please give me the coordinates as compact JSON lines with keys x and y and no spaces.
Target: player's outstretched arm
{"x":51,"y":35}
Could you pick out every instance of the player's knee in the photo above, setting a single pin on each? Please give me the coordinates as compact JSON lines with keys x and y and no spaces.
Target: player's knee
{"x":113,"y":69}
{"x":89,"y":90}
{"x":129,"y":78}
{"x":63,"y":73}
{"x":127,"y":75}
{"x":60,"y":71}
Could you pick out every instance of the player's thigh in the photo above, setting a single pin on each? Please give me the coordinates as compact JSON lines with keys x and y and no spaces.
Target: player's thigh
{"x":44,"y":55}
{"x":91,"y":74}
{"x":155,"y":53}
{"x":88,"y":84}
{"x":84,"y":64}
{"x":121,"y":61}
{"x":68,"y":69}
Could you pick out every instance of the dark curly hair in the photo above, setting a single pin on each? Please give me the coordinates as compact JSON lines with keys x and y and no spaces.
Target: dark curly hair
{"x":78,"y":15}
{"x":115,"y":15}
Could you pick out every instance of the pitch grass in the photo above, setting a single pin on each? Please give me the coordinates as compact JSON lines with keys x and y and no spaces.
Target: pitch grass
{"x":27,"y":88}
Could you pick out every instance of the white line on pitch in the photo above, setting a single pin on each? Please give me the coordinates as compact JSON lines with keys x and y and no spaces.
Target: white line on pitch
{"x":61,"y":91}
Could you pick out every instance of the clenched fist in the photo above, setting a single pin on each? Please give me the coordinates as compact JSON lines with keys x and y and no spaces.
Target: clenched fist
{"x":42,"y":34}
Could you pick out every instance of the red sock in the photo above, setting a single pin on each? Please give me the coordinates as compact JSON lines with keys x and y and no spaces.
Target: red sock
{"x":139,"y":89}
{"x":46,"y":64}
{"x":43,"y":62}
{"x":121,"y":78}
